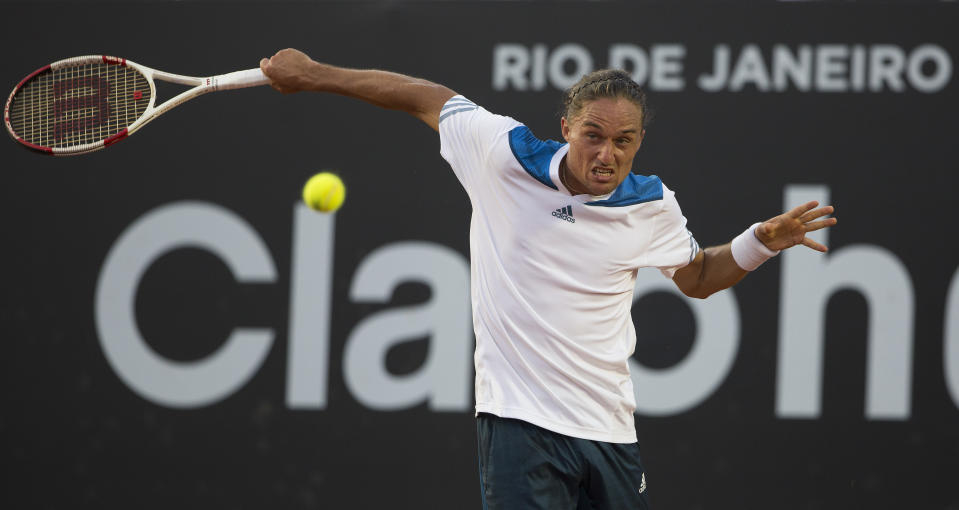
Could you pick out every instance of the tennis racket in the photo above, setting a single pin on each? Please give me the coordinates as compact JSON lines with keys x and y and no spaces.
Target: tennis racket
{"x":83,"y":104}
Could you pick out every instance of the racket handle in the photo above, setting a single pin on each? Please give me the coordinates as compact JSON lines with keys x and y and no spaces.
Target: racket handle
{"x":241,"y":79}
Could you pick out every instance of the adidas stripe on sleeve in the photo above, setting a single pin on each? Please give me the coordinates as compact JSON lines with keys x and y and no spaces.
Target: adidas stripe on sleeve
{"x":457,"y":104}
{"x":468,"y":136}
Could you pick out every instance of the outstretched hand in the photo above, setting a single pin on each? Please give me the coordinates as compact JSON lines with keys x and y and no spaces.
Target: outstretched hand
{"x":790,"y":228}
{"x":288,"y":70}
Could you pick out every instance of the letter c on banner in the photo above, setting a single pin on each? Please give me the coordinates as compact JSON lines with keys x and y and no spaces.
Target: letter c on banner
{"x":950,"y":355}
{"x":153,"y":377}
{"x":665,"y":392}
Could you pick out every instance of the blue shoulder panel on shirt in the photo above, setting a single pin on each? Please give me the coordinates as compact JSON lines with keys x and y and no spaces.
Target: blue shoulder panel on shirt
{"x":534,"y":154}
{"x":635,"y":189}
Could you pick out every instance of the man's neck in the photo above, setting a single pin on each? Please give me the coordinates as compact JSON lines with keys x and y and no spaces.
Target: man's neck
{"x":565,"y":178}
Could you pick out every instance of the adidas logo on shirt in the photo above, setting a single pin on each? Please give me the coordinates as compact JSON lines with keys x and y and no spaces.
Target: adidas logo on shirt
{"x":565,"y":213}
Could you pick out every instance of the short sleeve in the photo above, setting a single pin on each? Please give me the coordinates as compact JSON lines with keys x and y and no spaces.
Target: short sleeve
{"x":673,"y":245}
{"x":470,"y":137}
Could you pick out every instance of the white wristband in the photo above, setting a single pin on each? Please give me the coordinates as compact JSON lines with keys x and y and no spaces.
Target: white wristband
{"x":748,"y":251}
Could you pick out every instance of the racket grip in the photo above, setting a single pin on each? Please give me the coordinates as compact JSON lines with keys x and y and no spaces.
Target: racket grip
{"x":240,"y":79}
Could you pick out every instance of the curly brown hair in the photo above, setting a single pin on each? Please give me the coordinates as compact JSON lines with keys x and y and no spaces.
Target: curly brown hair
{"x":605,"y":83}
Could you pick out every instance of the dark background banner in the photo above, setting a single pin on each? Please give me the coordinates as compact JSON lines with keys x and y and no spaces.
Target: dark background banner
{"x":133,"y":274}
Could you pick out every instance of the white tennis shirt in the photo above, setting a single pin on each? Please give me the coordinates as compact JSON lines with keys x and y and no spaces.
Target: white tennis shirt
{"x":552,"y":276}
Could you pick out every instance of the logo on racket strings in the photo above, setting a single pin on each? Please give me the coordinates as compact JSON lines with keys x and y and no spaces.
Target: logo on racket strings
{"x":73,"y":112}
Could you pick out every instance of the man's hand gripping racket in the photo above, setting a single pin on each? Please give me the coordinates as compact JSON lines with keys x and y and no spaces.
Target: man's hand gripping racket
{"x":83,"y":104}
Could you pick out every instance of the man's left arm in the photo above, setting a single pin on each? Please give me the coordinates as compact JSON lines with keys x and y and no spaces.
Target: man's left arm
{"x":720,"y":267}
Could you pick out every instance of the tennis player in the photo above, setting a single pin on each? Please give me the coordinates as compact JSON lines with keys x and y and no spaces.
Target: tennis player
{"x":557,"y":234}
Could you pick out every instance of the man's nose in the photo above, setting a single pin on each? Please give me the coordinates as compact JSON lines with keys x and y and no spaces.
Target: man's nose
{"x":605,"y":155}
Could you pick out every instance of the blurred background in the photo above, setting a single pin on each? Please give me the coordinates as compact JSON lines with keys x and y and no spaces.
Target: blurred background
{"x":179,"y":331}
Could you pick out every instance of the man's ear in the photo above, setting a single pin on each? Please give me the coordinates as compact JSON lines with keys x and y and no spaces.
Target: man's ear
{"x":642,"y":135}
{"x":564,"y":127}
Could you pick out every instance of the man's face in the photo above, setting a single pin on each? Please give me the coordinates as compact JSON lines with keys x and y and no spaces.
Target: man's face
{"x":603,"y":139}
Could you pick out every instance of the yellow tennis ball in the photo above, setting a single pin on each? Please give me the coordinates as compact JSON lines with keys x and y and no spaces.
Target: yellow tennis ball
{"x":324,"y":192}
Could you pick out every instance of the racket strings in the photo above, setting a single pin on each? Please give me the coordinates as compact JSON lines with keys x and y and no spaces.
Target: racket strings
{"x":78,"y":105}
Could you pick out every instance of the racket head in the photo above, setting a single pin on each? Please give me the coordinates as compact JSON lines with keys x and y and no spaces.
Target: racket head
{"x":78,"y":105}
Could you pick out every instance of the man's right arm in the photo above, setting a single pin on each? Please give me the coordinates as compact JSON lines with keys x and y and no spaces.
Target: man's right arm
{"x":293,"y":71}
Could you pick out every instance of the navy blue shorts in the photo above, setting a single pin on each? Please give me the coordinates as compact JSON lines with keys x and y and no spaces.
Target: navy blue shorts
{"x":525,"y":467}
